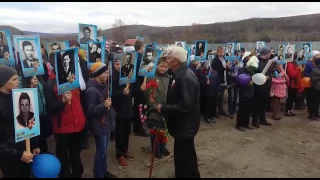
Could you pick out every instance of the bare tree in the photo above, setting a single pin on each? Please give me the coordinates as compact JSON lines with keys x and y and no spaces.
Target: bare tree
{"x":118,"y":31}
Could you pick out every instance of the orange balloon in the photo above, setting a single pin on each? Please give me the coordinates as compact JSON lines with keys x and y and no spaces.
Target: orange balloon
{"x":305,"y":82}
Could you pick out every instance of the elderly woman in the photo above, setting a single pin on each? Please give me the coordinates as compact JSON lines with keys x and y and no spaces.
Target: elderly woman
{"x":183,"y":113}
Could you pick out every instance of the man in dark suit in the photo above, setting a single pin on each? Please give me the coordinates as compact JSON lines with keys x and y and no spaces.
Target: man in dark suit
{"x":67,"y":68}
{"x":3,"y":47}
{"x":26,"y":118}
{"x":127,"y":68}
{"x":289,"y":53}
{"x":28,"y":51}
{"x":86,"y":35}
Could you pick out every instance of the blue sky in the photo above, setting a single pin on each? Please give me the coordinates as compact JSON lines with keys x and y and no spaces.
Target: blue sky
{"x":63,"y":17}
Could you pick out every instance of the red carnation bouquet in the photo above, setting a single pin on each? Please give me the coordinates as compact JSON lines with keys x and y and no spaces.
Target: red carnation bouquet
{"x":161,"y":133}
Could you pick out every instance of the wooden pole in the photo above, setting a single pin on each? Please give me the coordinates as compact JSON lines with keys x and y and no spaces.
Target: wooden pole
{"x":28,"y":149}
{"x":153,"y":154}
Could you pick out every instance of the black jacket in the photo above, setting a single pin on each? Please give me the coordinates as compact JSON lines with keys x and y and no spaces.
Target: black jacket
{"x":121,"y":103}
{"x":218,"y":66}
{"x":102,"y":121}
{"x":245,"y":91}
{"x":136,"y":92}
{"x":183,"y":107}
{"x":10,"y":151}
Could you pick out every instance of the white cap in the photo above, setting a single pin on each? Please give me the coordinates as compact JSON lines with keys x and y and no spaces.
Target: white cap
{"x":246,"y":54}
{"x":192,"y":58}
{"x":314,"y":53}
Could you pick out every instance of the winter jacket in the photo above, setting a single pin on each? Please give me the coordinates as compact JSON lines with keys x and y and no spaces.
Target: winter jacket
{"x":66,"y":118}
{"x":212,"y":89}
{"x":294,"y":74}
{"x":101,"y":120}
{"x":279,"y":86}
{"x":315,"y":78}
{"x":182,"y":109}
{"x":245,"y":91}
{"x":121,"y":103}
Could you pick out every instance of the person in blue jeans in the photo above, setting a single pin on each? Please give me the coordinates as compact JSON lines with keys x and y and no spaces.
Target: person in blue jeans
{"x":101,"y":117}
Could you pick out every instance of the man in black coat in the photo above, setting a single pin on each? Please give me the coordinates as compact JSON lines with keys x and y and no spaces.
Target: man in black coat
{"x":128,"y":67}
{"x":183,"y":113}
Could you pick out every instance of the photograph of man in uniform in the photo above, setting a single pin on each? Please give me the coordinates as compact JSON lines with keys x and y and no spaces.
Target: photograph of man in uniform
{"x":26,"y":118}
{"x":4,"y":48}
{"x":55,"y":47}
{"x":148,"y":60}
{"x":128,"y":67}
{"x":306,"y":46}
{"x":30,"y":60}
{"x":200,"y":46}
{"x":95,"y":54}
{"x":66,"y":70}
{"x":86,"y":31}
{"x":289,"y":53}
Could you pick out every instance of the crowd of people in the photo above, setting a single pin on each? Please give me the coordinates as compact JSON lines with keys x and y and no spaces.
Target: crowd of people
{"x":184,"y":94}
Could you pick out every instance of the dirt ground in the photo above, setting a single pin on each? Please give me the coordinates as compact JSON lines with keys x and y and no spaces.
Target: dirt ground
{"x":289,"y":148}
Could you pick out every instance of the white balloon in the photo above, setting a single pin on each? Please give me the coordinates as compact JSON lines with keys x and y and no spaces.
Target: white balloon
{"x":259,"y":79}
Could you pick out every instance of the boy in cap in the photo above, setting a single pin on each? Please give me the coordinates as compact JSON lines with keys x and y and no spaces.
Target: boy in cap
{"x":101,"y":116}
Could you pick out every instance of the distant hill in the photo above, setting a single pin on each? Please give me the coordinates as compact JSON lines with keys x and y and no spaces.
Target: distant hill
{"x":294,"y":28}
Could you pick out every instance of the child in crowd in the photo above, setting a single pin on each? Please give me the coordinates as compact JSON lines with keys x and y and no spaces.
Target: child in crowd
{"x":122,"y":104}
{"x":278,"y":89}
{"x":101,"y":117}
{"x":210,"y":83}
{"x":163,"y":79}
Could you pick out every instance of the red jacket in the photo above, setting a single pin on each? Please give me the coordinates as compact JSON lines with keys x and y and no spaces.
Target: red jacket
{"x":294,"y":73}
{"x":66,"y":118}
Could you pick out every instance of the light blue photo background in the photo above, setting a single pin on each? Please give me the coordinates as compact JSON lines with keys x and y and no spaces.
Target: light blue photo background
{"x":307,"y":53}
{"x":151,"y":74}
{"x":139,"y":38}
{"x":263,"y":43}
{"x":25,"y":133}
{"x":94,"y":31}
{"x":126,"y":80}
{"x":205,"y":44}
{"x":28,"y":72}
{"x":16,"y":45}
{"x":102,"y":39}
{"x":63,"y":45}
{"x":103,"y":52}
{"x":10,"y":60}
{"x":65,"y":87}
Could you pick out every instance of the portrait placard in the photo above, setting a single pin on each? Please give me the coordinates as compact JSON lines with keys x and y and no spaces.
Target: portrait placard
{"x":52,"y":47}
{"x":180,"y":43}
{"x":201,"y":50}
{"x":139,"y":38}
{"x":66,"y":63}
{"x":260,"y":44}
{"x":289,"y":53}
{"x":16,"y":45}
{"x":30,"y":56}
{"x":95,"y":52}
{"x":87,"y":32}
{"x":6,"y":52}
{"x":26,"y":113}
{"x":128,"y":68}
{"x":149,"y":62}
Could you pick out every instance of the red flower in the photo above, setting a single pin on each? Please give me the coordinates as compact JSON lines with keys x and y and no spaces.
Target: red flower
{"x":152,"y":84}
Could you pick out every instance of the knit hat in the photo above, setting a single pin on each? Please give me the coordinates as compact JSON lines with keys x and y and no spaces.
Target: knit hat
{"x":98,"y":68}
{"x":6,"y":74}
{"x":246,"y":54}
{"x":116,"y":58}
{"x":264,"y":50}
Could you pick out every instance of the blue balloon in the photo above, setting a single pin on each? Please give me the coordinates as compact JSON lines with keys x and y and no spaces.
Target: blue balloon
{"x":243,"y":79}
{"x":45,"y":166}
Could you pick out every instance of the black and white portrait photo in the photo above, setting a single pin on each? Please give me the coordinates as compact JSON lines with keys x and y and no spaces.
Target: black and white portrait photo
{"x":180,"y":44}
{"x":289,"y":52}
{"x":4,"y":48}
{"x":25,"y":118}
{"x":66,"y":66}
{"x":128,"y":64}
{"x":56,"y":46}
{"x":87,"y":33}
{"x":29,"y":53}
{"x":230,"y":49}
{"x":307,"y":46}
{"x":148,"y":61}
{"x":200,"y":48}
{"x":94,"y":52}
{"x":260,"y":44}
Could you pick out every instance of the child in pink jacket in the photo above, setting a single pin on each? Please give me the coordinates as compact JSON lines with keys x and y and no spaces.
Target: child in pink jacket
{"x":278,"y":89}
